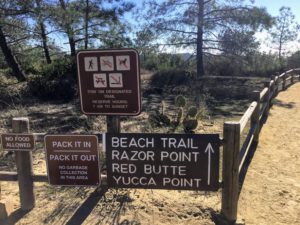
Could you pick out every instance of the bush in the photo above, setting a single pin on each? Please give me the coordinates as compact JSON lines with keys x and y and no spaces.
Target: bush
{"x":56,"y":82}
{"x":164,"y":61}
{"x":171,"y":78}
{"x":294,"y":60}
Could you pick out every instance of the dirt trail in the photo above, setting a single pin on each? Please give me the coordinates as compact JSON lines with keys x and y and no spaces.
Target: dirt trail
{"x":271,"y":191}
{"x":270,"y":194}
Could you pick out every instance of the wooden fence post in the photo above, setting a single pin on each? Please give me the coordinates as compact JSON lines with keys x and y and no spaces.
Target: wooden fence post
{"x":283,"y":82}
{"x":231,"y":150}
{"x":272,"y":92}
{"x":273,"y":78}
{"x":276,"y":85}
{"x":255,"y":115}
{"x":24,"y":167}
{"x":267,"y":98}
{"x":113,"y":124}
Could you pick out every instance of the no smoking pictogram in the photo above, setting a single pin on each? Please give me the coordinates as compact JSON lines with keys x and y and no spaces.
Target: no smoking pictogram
{"x":115,"y":80}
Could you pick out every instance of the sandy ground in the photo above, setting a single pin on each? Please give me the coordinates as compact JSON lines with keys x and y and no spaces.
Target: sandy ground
{"x":271,"y":191}
{"x":270,"y":195}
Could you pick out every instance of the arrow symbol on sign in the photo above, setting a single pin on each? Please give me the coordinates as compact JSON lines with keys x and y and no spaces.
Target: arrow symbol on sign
{"x":209,"y":149}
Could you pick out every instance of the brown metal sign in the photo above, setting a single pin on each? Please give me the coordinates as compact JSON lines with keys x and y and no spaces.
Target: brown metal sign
{"x":163,"y":161}
{"x":18,"y":142}
{"x":72,"y":160}
{"x":109,"y":82}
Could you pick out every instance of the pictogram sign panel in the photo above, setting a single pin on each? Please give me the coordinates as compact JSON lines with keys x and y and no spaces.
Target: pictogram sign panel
{"x":109,"y":82}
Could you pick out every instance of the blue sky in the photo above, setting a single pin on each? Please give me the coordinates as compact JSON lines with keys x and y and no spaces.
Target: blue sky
{"x":273,"y":6}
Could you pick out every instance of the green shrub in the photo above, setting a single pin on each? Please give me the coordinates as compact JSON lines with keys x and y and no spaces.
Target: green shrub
{"x":192,"y":111}
{"x":180,"y":101}
{"x":56,"y":82}
{"x":189,"y":125}
{"x":158,"y":120}
{"x":188,"y":121}
{"x":171,"y":78}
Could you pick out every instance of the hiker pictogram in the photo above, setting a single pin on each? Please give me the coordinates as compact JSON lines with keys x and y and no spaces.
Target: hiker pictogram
{"x":107,"y":63}
{"x":123,"y":62}
{"x":115,"y":80}
{"x":100,"y":80}
{"x":90,"y":64}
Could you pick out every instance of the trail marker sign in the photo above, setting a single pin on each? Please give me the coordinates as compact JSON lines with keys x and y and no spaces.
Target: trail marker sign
{"x":163,"y":161}
{"x":109,"y":82}
{"x":72,"y":160}
{"x":18,"y":142}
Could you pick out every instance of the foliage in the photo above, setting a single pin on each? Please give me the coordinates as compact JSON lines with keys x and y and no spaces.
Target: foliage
{"x":188,"y":121}
{"x":201,"y":25}
{"x":157,"y":119}
{"x":285,"y":30}
{"x":166,"y":78}
{"x":56,"y":82}
{"x":164,"y":61}
{"x":192,"y":111}
{"x":88,"y":22}
{"x":252,"y":64}
{"x":180,"y":101}
{"x":143,"y":42}
{"x":11,"y":93}
{"x":294,"y":60}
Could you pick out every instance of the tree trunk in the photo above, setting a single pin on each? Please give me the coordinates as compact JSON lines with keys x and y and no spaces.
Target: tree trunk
{"x":86,"y":25}
{"x":43,"y":34}
{"x":69,"y":30}
{"x":45,"y":45}
{"x":72,"y":45}
{"x":199,"y":56}
{"x":10,"y":59}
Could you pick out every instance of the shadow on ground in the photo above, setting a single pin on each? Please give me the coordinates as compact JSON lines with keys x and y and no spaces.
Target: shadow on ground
{"x":287,"y":105}
{"x":14,"y":217}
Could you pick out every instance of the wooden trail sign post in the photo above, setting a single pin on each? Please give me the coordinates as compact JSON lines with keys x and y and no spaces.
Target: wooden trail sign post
{"x":163,"y":161}
{"x":72,"y":160}
{"x":24,"y":167}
